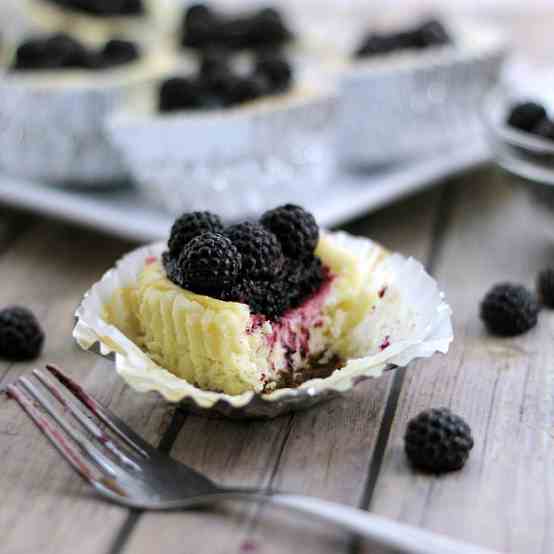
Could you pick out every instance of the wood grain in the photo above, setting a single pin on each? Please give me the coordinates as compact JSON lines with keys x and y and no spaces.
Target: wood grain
{"x":504,"y":497}
{"x":45,"y":507}
{"x":325,"y":451}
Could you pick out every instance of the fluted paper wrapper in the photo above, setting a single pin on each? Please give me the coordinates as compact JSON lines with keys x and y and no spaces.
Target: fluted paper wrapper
{"x":413,"y":320}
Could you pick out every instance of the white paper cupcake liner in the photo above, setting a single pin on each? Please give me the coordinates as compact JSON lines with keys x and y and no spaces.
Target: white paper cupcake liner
{"x":398,"y":106}
{"x":415,"y":323}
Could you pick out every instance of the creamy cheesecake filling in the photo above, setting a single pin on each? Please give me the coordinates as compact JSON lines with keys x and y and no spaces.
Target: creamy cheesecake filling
{"x":221,"y":346}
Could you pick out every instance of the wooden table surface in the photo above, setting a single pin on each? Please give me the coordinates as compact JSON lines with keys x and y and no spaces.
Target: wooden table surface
{"x":472,"y":232}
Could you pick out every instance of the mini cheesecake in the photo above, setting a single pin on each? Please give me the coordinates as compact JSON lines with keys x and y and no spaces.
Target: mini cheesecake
{"x":256,"y":332}
{"x":55,"y":95}
{"x":419,"y":90}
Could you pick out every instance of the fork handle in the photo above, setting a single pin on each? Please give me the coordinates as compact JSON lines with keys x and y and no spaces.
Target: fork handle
{"x":383,"y":531}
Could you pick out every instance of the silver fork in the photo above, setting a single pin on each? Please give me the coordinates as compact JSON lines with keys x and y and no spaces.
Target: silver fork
{"x":125,"y":469}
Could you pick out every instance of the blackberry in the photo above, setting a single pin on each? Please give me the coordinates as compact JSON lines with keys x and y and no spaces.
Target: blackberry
{"x":545,"y":129}
{"x":276,"y":69}
{"x":545,"y":287}
{"x":55,"y":52}
{"x":200,"y":27}
{"x":118,"y":52}
{"x":438,"y":441}
{"x":213,"y":62}
{"x":261,"y":253}
{"x":295,"y":228}
{"x":526,"y":116}
{"x":509,"y":310}
{"x":268,"y":28}
{"x":244,"y":89}
{"x":179,"y":93}
{"x":21,"y":336}
{"x":432,"y":33}
{"x":190,"y":225}
{"x":209,"y":264}
{"x":302,"y":280}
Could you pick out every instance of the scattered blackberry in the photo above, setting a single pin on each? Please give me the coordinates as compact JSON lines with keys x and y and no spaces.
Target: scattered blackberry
{"x":190,"y":225}
{"x":509,"y":310}
{"x":526,"y":116}
{"x":118,"y":52}
{"x":545,"y":287}
{"x":177,"y":93}
{"x":21,"y":336}
{"x":54,"y":52}
{"x":438,"y":441}
{"x":276,"y":69}
{"x":209,"y":264}
{"x":295,"y":228}
{"x":545,"y":129}
{"x":261,"y":253}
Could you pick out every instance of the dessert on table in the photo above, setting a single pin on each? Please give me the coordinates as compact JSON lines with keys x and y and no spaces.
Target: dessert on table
{"x":255,"y":306}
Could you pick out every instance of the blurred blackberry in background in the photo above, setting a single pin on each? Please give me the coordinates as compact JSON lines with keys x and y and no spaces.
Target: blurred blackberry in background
{"x":21,"y":336}
{"x":177,"y":93}
{"x":509,"y":310}
{"x":525,"y":116}
{"x":275,"y":67}
{"x":200,"y":27}
{"x":118,"y":52}
{"x":52,"y":52}
{"x":103,"y":7}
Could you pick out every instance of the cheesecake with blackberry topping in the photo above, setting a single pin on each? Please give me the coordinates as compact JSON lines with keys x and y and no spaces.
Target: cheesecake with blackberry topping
{"x":251,"y":307}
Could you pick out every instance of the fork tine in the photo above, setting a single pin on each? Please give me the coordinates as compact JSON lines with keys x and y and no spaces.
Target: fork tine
{"x":64,"y":447}
{"x":83,"y":442}
{"x":86,"y":422}
{"x":123,"y":431}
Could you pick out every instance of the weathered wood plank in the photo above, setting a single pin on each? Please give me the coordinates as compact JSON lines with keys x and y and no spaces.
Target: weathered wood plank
{"x":45,"y":507}
{"x":325,"y":451}
{"x":504,"y":497}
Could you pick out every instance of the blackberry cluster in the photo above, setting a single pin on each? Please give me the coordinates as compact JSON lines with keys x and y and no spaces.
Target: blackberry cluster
{"x":103,"y":7}
{"x":438,"y":441}
{"x":21,"y":336}
{"x":545,"y":287}
{"x":203,"y":28}
{"x":430,"y":33}
{"x":508,"y":310}
{"x":61,"y":51}
{"x":247,"y":262}
{"x":216,"y":85}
